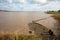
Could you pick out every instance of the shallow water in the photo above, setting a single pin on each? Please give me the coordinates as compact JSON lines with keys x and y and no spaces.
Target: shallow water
{"x":18,"y":21}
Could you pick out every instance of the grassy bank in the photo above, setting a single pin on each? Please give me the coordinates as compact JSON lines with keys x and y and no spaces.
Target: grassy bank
{"x":23,"y":37}
{"x":53,"y":12}
{"x":17,"y":37}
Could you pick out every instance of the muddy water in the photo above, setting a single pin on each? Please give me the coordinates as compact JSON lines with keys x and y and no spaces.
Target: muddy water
{"x":18,"y":21}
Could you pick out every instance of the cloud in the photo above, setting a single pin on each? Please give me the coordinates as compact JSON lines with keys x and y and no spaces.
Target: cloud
{"x":53,"y":0}
{"x":23,"y":1}
{"x":10,"y":1}
{"x":41,"y":1}
{"x":29,"y":5}
{"x":51,"y":6}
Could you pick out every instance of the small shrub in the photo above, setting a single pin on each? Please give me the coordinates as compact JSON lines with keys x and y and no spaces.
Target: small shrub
{"x":20,"y":37}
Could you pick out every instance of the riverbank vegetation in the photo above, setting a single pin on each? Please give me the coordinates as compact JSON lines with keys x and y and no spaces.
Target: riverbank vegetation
{"x":53,"y":12}
{"x":56,"y":16}
{"x":18,"y":37}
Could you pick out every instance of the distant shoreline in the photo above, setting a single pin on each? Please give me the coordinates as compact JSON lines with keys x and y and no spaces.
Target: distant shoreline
{"x":18,"y":11}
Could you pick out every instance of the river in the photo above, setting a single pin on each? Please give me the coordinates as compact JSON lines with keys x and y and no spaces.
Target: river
{"x":18,"y":21}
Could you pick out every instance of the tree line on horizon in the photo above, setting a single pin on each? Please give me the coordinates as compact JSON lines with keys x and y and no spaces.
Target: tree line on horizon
{"x":53,"y":12}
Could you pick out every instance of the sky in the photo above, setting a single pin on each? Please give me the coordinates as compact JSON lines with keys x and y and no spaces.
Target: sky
{"x":30,"y":5}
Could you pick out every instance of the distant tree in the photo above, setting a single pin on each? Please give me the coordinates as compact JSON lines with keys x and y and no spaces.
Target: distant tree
{"x":58,"y":10}
{"x":52,"y":11}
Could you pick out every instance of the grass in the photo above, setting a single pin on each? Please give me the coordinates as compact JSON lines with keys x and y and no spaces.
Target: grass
{"x":53,"y":12}
{"x":17,"y":37}
{"x":56,"y":14}
{"x":23,"y":37}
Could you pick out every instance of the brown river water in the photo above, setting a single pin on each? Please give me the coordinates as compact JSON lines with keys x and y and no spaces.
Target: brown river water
{"x":18,"y":21}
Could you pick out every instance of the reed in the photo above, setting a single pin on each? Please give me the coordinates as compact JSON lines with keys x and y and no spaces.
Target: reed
{"x":56,"y":16}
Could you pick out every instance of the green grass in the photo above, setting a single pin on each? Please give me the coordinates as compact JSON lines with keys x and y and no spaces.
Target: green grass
{"x":22,"y":37}
{"x":53,"y":12}
{"x":17,"y":37}
{"x":56,"y":14}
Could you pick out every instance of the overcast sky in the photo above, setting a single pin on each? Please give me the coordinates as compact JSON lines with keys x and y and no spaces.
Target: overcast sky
{"x":29,"y":5}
